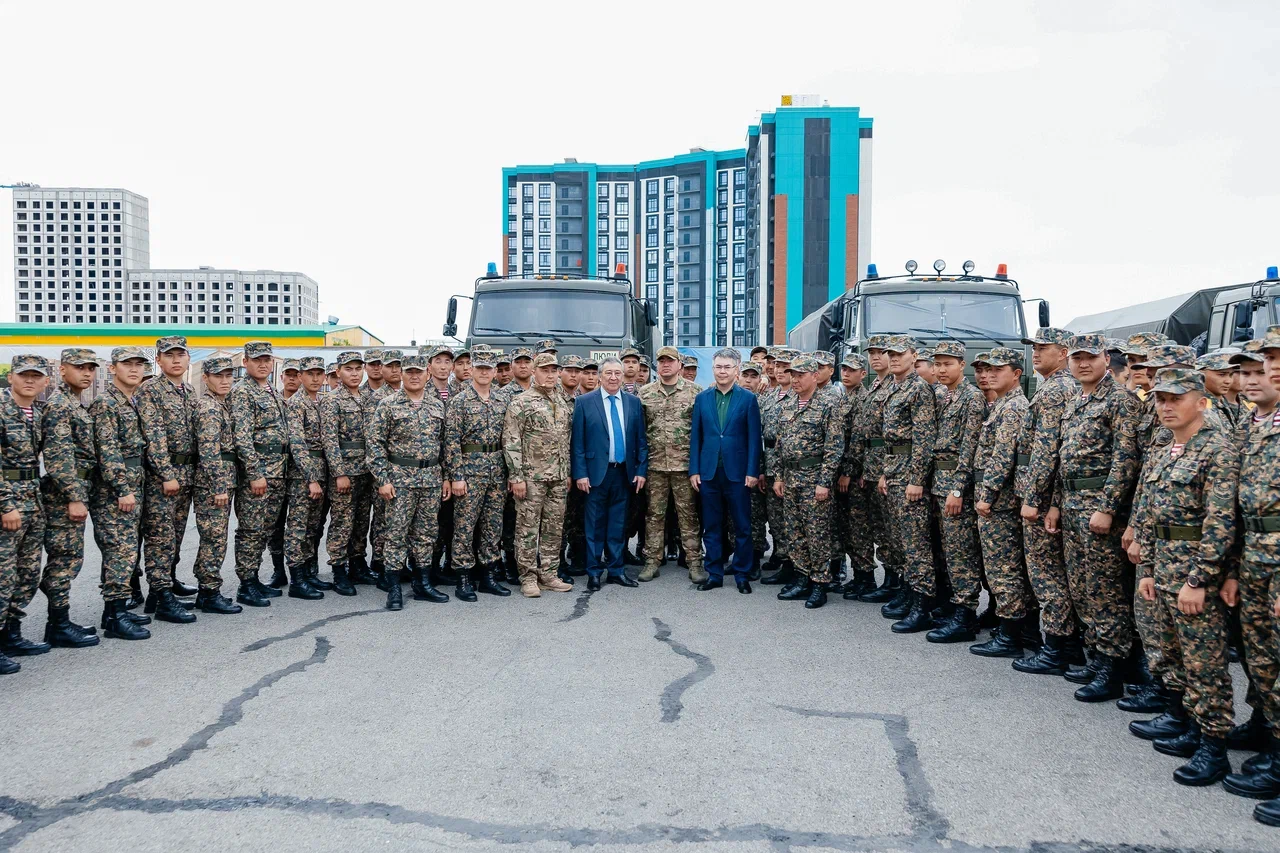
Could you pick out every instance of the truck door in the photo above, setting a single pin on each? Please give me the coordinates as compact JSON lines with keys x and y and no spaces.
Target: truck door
{"x":1217,"y":325}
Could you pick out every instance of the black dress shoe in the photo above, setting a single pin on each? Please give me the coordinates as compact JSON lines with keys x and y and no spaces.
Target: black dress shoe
{"x":170,"y":609}
{"x":744,"y":587}
{"x":213,"y":601}
{"x":797,"y":591}
{"x":711,"y":583}
{"x":593,"y":583}
{"x":817,"y":597}
{"x":621,"y":580}
{"x":181,"y":589}
{"x":250,"y":595}
{"x":1183,"y":746}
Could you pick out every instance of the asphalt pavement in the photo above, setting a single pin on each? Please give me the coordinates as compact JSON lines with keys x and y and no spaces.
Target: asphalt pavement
{"x":651,"y":718}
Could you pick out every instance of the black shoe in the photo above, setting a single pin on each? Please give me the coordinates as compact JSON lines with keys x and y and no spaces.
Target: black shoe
{"x":250,"y":594}
{"x":424,"y":591}
{"x":1259,"y":763}
{"x":341,"y":582}
{"x":817,"y":597}
{"x":862,"y":583}
{"x":464,"y":591}
{"x":797,"y":591}
{"x":563,"y":574}
{"x":1183,"y":746}
{"x":1107,"y":682}
{"x":8,"y":667}
{"x":1251,"y":735}
{"x":886,"y":592}
{"x":1267,"y":813}
{"x":1031,"y":637}
{"x":12,"y":642}
{"x":1263,"y":784}
{"x":1081,"y":674}
{"x":61,"y":632}
{"x":757,"y":558}
{"x":1049,"y":660}
{"x":358,"y":572}
{"x":379,"y":570}
{"x":1209,"y":764}
{"x":744,"y":587}
{"x":487,"y":581}
{"x":1073,"y":651}
{"x":711,"y":583}
{"x":899,"y":606}
{"x":962,"y":627}
{"x":170,"y":609}
{"x":135,"y":591}
{"x":1005,"y":641}
{"x":151,"y":601}
{"x":181,"y":589}
{"x":213,"y":601}
{"x":279,"y":580}
{"x":300,"y":585}
{"x":116,"y":625}
{"x":1150,"y":699}
{"x":1171,"y":724}
{"x":621,"y":580}
{"x":630,"y":559}
{"x":918,"y":617}
{"x":593,"y":583}
{"x":395,"y":597}
{"x":786,"y":575}
{"x":264,"y":590}
{"x":313,"y":576}
{"x":136,"y":618}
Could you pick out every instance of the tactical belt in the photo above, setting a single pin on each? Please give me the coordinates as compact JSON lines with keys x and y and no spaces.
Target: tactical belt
{"x":481,"y":448}
{"x":268,"y":447}
{"x":132,"y":461}
{"x":413,"y":462}
{"x":227,"y":456}
{"x":1084,"y":483}
{"x":318,"y":454}
{"x":771,"y":442}
{"x":1262,"y":523}
{"x":1179,"y":532}
{"x":20,"y":473}
{"x":357,"y":444}
{"x":903,"y":449}
{"x":182,"y":458}
{"x":945,"y":464}
{"x":873,"y":442}
{"x":804,"y":463}
{"x":1024,"y":458}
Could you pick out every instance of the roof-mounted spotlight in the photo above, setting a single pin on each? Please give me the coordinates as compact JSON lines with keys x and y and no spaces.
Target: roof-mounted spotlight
{"x":911,"y":267}
{"x":968,"y":267}
{"x":939,"y":265}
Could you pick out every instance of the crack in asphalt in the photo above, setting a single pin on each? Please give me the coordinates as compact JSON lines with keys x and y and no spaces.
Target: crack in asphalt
{"x":307,"y":629}
{"x":579,"y":607}
{"x":670,"y":701}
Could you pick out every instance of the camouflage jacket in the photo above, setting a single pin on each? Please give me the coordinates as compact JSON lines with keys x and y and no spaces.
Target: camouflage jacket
{"x":810,"y":439}
{"x":1259,"y":494}
{"x":1196,"y":489}
{"x":1041,"y":436}
{"x":406,"y":440}
{"x":960,"y":417}
{"x":510,"y":391}
{"x":668,"y":421}
{"x":535,"y":437}
{"x":770,"y":408}
{"x":473,"y":422}
{"x":20,"y":446}
{"x":306,"y":441}
{"x":262,"y":431}
{"x":343,"y":417}
{"x":1228,"y":412}
{"x":910,"y":429}
{"x":855,"y":451}
{"x":168,"y":413}
{"x":996,"y":459}
{"x":216,"y":442}
{"x":870,"y":426}
{"x":1099,"y":440}
{"x":68,"y":483}
{"x":379,"y":394}
{"x":117,"y":437}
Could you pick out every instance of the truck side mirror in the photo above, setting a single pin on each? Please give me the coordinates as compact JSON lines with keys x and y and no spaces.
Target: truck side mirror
{"x":1044,"y":314}
{"x":650,"y":312}
{"x":1244,"y":315}
{"x":451,"y":318}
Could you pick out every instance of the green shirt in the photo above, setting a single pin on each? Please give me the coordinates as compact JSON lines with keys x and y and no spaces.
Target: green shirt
{"x":722,"y":406}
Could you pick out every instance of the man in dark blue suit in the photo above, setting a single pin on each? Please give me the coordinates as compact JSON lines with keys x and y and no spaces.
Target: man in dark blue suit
{"x":610,"y":459}
{"x":724,"y":465}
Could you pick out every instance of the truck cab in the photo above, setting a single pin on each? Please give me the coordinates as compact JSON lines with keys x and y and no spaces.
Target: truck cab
{"x":1243,"y":313}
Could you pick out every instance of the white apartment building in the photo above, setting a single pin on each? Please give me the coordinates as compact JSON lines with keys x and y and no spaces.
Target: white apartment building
{"x":208,"y":296}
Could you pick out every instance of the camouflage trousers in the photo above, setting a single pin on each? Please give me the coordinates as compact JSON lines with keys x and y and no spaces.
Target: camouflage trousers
{"x":363,"y":495}
{"x":539,"y":525}
{"x":164,"y":521}
{"x":909,"y":533}
{"x":961,"y":551}
{"x":673,"y":486}
{"x":343,"y":511}
{"x":275,"y":544}
{"x":1048,"y":575}
{"x":1095,"y":568}
{"x":116,"y":533}
{"x":859,"y":542}
{"x":759,"y":520}
{"x":413,"y":521}
{"x":477,"y":520}
{"x":890,"y":554}
{"x":20,"y":562}
{"x":1259,"y":589}
{"x":255,"y":520}
{"x":212,"y":522}
{"x":777,"y":519}
{"x":64,"y":545}
{"x":1193,"y":659}
{"x":378,"y":529}
{"x":1146,"y":626}
{"x":304,"y":523}
{"x":1004,"y":563}
{"x":810,"y":524}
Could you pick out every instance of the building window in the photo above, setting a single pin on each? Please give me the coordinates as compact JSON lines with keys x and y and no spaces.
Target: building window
{"x":623,"y":190}
{"x":544,"y":190}
{"x":739,"y":177}
{"x":602,"y":191}
{"x":669,"y":186}
{"x":722,"y":179}
{"x":544,"y":208}
{"x":544,"y":226}
{"x":623,"y":208}
{"x":622,"y":225}
{"x":602,"y":208}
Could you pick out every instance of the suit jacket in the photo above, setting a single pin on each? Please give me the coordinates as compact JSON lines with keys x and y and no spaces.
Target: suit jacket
{"x":589,"y":451}
{"x":737,"y":447}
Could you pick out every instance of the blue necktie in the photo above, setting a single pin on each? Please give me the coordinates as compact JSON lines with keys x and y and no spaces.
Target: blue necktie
{"x":619,"y":446}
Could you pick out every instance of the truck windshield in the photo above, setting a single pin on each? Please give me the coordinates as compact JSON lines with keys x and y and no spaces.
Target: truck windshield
{"x":945,"y":313}
{"x":538,"y":311}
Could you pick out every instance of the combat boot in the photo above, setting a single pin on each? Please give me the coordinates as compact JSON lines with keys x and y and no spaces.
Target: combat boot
{"x":757,"y":558}
{"x":987,"y":619}
{"x":487,"y":580}
{"x":1084,"y":673}
{"x":800,"y":590}
{"x":1259,"y":762}
{"x":264,"y":590}
{"x":313,"y":576}
{"x":899,"y":606}
{"x":249,"y":594}
{"x":379,"y":570}
{"x":1031,"y":637}
{"x":1073,"y":650}
{"x":8,"y":667}
{"x":424,"y":591}
{"x":300,"y":585}
{"x":1183,"y":746}
{"x":395,"y":598}
{"x":1005,"y":641}
{"x":213,"y":601}
{"x":784,"y":576}
{"x":817,"y":596}
{"x":61,"y":632}
{"x":117,"y":624}
{"x":962,"y":627}
{"x":464,"y":591}
{"x":863,"y":582}
{"x":1251,"y":735}
{"x":1170,"y":724}
{"x":529,"y":587}
{"x":648,"y":573}
{"x":1107,"y":682}
{"x":12,"y":642}
{"x":135,"y":591}
{"x":774,"y":562}
{"x":1208,"y":765}
{"x":1149,"y":699}
{"x":1048,"y":661}
{"x":630,"y":559}
{"x":1267,"y":813}
{"x":917,"y":619}
{"x":342,"y":583}
{"x":887,"y":590}
{"x":546,"y":580}
{"x":358,"y":572}
{"x":170,"y":609}
{"x":511,"y":568}
{"x":279,"y":580}
{"x":180,"y":589}
{"x":698,"y":574}
{"x":578,"y":558}
{"x":1259,"y":782}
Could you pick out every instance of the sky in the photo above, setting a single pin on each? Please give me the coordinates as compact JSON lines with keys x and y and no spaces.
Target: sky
{"x":1108,"y":152}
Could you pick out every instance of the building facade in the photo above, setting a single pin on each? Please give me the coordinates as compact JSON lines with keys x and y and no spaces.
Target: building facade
{"x":221,"y":297}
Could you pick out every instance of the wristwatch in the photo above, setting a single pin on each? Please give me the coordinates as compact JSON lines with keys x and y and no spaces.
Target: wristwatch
{"x":956,"y":493}
{"x":1194,"y":582}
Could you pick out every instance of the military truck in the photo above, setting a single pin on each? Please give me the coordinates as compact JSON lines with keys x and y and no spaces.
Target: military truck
{"x":590,"y":316}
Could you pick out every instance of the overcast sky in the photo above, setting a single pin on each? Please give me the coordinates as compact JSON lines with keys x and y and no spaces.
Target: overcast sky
{"x":1108,"y":152}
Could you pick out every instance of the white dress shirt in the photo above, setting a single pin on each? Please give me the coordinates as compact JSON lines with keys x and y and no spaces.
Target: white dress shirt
{"x":608,"y":419}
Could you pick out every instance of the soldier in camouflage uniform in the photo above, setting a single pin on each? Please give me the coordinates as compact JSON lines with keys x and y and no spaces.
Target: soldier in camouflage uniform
{"x":1219,"y":373}
{"x":870,"y":426}
{"x":753,"y":382}
{"x":839,"y":506}
{"x":783,"y":570}
{"x":809,"y":450}
{"x":290,"y":382}
{"x":910,"y":430}
{"x":474,"y":467}
{"x":856,"y":540}
{"x":215,"y":483}
{"x":575,"y":543}
{"x":1097,"y":468}
{"x":689,"y":367}
{"x":668,"y":418}
{"x":343,"y":414}
{"x":392,"y":365}
{"x":66,"y":498}
{"x":520,"y":362}
{"x":405,"y":447}
{"x":961,"y":412}
{"x":1184,"y":532}
{"x":167,"y":408}
{"x":535,"y":439}
{"x":262,"y":447}
{"x":116,"y":491}
{"x":305,"y":482}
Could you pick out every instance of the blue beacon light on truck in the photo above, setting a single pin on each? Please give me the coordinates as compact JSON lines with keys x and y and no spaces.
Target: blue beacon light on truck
{"x":1273,"y":273}
{"x":492,"y":270}
{"x":871,"y":271}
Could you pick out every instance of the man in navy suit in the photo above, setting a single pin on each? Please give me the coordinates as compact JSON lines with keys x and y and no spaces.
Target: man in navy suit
{"x":610,"y":459}
{"x":724,"y":465}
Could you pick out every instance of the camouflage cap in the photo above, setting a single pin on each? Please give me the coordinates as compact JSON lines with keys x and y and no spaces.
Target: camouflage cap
{"x":787,"y":355}
{"x":644,"y":361}
{"x":668,"y":352}
{"x":291,"y":364}
{"x":392,"y":356}
{"x":331,"y":367}
{"x":257,"y":349}
{"x":824,"y":358}
{"x":1216,"y":361}
{"x":1140,"y":343}
{"x":522,"y":352}
{"x":590,"y":365}
{"x":750,"y":366}
{"x":1167,"y":355}
{"x":955,"y":349}
{"x":1092,"y":344}
{"x":1000,"y":356}
{"x":983,"y":358}
{"x":899,"y":343}
{"x":1050,"y":335}
{"x":120,"y":354}
{"x":772,"y":353}
{"x":350,"y":356}
{"x":1270,"y":340}
{"x":546,"y":359}
{"x":432,"y":351}
{"x":483,"y":358}
{"x":924,"y":354}
{"x":78,"y":356}
{"x":572,"y":362}
{"x":458,"y":353}
{"x":803,"y":364}
{"x":217,"y":364}
{"x":854,"y":361}
{"x":373,"y":356}
{"x":1251,"y":351}
{"x":311,"y":362}
{"x":415,"y":361}
{"x":759,"y":348}
{"x":29,"y":362}
{"x":629,"y":352}
{"x":689,"y":361}
{"x":878,"y":342}
{"x":170,"y":342}
{"x":1178,"y":380}
{"x":1114,"y":345}
{"x":500,"y":357}
{"x":548,"y":345}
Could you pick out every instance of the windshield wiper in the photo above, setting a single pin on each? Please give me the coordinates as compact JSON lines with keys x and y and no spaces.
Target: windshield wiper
{"x":522,"y":338}
{"x":982,"y":333}
{"x":580,"y":334}
{"x":942,"y":332}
